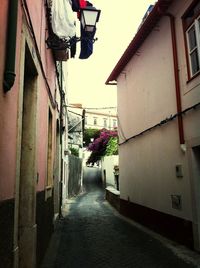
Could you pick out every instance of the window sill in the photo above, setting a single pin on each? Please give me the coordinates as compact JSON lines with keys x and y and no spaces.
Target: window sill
{"x":48,"y":191}
{"x":193,"y":77}
{"x":49,"y":187}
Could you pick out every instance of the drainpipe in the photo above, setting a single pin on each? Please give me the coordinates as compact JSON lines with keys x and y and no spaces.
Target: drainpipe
{"x":177,"y":80}
{"x":9,"y":73}
{"x":176,"y":77}
{"x":61,"y":139}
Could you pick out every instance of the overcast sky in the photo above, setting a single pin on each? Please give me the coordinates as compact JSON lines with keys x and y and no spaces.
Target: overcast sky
{"x":115,"y":30}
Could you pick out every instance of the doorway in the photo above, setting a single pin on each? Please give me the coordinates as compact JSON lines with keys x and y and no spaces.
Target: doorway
{"x":196,"y":191}
{"x":28,"y":174}
{"x":57,"y":171}
{"x":49,"y":182}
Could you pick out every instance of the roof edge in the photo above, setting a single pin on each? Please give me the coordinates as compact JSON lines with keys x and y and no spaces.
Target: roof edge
{"x":144,"y":30}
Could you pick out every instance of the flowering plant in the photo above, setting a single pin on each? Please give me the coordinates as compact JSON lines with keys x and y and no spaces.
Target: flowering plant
{"x":102,"y":145}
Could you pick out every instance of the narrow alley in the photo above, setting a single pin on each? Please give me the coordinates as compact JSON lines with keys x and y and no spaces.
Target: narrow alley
{"x":92,"y":234}
{"x":100,"y":134}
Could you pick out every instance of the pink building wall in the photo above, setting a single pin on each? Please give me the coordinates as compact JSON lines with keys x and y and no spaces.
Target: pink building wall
{"x":9,"y":101}
{"x":10,"y":128}
{"x":8,"y":119}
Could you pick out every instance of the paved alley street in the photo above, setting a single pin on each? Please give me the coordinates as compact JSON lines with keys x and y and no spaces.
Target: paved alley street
{"x":92,"y":235}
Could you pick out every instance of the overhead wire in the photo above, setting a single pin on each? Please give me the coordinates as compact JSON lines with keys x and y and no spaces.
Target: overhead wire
{"x":161,"y":123}
{"x":90,"y":108}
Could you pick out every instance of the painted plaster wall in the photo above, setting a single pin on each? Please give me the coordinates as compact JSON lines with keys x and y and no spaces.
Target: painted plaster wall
{"x":147,"y":172}
{"x":148,"y":90}
{"x":38,"y":17}
{"x":40,"y":25}
{"x":108,"y":163}
{"x":190,"y":90}
{"x":146,"y":95}
{"x":9,"y":103}
{"x":8,"y":115}
{"x":36,"y":11}
{"x":3,"y":21}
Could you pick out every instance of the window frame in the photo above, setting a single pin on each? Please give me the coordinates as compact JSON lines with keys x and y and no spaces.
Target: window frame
{"x":95,"y":121}
{"x":114,"y":123}
{"x":196,"y":25}
{"x":105,"y":122}
{"x":193,"y":21}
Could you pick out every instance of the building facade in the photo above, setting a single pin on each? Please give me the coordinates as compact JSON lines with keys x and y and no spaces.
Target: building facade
{"x":158,"y":84}
{"x":32,"y":138}
{"x":99,"y":120}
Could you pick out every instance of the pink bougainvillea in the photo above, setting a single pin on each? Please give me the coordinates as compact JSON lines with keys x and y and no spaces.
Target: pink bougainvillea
{"x":100,"y":142}
{"x":98,"y":146}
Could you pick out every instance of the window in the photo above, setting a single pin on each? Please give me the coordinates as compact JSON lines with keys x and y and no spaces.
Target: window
{"x":95,"y":121}
{"x":105,"y":122}
{"x":193,"y":42}
{"x":114,"y":123}
{"x":191,"y":22}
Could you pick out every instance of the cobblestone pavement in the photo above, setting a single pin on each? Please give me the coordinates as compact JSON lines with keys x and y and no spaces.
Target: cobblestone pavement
{"x":92,"y":235}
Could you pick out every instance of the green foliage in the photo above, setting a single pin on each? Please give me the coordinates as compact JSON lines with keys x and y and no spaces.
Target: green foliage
{"x":74,"y":151}
{"x":105,"y":143}
{"x":90,"y":133}
{"x":112,"y":146}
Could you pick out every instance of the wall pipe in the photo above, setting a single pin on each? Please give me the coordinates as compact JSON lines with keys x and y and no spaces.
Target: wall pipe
{"x":9,"y":73}
{"x":177,"y":79}
{"x":61,"y":140}
{"x":176,"y":76}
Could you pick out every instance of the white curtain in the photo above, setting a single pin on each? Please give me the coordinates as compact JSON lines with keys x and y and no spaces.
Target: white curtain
{"x":63,"y":19}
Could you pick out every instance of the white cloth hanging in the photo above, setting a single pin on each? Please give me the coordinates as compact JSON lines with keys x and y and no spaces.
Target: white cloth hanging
{"x":63,"y":19}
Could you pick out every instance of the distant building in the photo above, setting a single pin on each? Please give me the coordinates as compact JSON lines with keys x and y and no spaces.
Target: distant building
{"x":99,"y":120}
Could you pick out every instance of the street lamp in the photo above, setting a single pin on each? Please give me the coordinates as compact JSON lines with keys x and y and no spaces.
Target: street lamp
{"x":89,"y":17}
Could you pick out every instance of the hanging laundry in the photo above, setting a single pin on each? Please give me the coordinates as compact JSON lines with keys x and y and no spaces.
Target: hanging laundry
{"x":75,"y":5}
{"x":86,"y":44}
{"x":82,"y":3}
{"x":63,"y":19}
{"x":73,"y":47}
{"x":78,"y":4}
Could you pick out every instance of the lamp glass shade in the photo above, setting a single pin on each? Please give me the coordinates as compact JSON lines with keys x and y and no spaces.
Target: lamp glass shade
{"x":89,"y":17}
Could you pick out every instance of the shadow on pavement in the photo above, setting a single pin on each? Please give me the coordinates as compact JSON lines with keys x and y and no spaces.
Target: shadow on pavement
{"x":92,"y":179}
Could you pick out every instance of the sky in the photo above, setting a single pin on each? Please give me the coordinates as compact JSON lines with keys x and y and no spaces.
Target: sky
{"x":116,"y":28}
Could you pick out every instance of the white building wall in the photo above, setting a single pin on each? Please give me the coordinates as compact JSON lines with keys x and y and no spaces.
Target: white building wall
{"x":148,"y":172}
{"x":190,"y":90}
{"x":100,"y":121}
{"x":107,"y":164}
{"x":146,"y":92}
{"x":146,"y":96}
